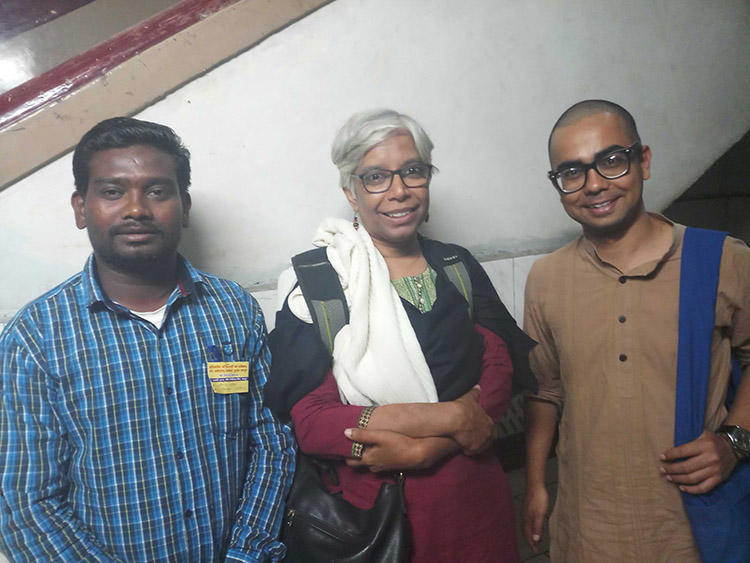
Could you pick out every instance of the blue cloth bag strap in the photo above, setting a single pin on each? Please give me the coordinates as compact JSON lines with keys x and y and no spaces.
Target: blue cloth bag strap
{"x":720,"y":519}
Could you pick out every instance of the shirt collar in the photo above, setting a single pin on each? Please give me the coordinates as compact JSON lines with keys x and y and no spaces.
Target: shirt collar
{"x":588,"y":250}
{"x":188,"y":280}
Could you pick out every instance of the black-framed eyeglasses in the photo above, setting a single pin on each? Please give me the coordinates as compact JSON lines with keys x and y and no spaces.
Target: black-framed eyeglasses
{"x":571,"y":177}
{"x":414,"y":175}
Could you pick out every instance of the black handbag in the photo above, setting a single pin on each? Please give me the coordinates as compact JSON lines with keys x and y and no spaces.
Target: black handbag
{"x":323,"y":527}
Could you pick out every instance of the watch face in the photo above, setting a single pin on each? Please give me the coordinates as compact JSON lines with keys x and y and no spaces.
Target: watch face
{"x":741,"y":439}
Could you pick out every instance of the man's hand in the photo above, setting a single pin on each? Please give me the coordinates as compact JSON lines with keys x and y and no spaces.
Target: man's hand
{"x":386,"y":450}
{"x":475,"y":431}
{"x":535,"y":506}
{"x":699,"y":466}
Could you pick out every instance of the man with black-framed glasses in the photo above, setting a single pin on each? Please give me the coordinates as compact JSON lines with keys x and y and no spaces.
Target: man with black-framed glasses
{"x":638,"y":322}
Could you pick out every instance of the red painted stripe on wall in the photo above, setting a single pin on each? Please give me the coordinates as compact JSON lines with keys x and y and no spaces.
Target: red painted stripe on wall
{"x":58,"y":82}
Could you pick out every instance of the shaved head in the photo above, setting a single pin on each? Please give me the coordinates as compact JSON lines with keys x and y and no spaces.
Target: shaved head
{"x":586,"y":108}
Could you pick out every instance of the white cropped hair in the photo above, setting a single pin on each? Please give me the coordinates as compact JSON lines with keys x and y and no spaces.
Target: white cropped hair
{"x":364,"y":130}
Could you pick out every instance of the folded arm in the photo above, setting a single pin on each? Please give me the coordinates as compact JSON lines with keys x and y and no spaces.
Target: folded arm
{"x":429,"y":431}
{"x":321,"y":420}
{"x":471,"y":419}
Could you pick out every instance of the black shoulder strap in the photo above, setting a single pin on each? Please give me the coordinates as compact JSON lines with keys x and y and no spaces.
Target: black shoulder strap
{"x":458,"y":275}
{"x":325,"y":299}
{"x":323,"y":294}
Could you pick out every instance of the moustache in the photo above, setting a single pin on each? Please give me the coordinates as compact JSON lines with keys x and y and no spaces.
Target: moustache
{"x":133,"y":228}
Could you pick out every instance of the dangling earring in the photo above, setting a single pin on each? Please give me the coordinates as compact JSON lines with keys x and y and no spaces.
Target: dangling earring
{"x":427,"y":217}
{"x":355,"y":223}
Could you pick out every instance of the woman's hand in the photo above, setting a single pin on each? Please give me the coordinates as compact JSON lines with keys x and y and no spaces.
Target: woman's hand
{"x":393,"y":451}
{"x":474,"y":429}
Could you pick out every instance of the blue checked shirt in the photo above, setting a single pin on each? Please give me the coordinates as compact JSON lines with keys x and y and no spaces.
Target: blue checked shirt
{"x":113,"y":445}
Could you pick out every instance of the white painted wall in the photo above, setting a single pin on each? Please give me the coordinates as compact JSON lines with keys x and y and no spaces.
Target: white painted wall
{"x":486,"y":78}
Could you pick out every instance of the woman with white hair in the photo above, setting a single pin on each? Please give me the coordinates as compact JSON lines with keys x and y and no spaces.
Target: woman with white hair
{"x":420,"y":374}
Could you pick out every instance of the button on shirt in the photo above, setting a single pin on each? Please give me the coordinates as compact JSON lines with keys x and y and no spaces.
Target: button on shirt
{"x":113,"y":445}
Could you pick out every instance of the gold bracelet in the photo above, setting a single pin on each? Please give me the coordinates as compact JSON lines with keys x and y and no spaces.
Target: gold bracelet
{"x":364,"y":417}
{"x":358,"y":448}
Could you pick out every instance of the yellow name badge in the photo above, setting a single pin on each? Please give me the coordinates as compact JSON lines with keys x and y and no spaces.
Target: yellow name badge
{"x":229,"y":377}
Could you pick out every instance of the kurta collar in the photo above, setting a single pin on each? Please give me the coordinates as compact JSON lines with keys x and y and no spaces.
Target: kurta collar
{"x":645,"y":270}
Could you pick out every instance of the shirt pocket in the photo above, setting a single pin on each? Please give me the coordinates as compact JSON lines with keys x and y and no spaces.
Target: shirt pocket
{"x":229,"y":413}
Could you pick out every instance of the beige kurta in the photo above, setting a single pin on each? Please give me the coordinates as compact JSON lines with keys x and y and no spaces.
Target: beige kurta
{"x":607,"y":356}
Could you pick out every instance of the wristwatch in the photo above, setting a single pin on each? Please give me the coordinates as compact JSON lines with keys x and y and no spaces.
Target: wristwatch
{"x":739,"y":439}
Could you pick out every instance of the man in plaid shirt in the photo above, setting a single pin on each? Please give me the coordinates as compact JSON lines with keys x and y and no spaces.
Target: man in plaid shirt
{"x":131,"y":420}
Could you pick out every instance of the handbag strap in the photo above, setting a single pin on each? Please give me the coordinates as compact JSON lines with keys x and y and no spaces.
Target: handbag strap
{"x":400,"y":483}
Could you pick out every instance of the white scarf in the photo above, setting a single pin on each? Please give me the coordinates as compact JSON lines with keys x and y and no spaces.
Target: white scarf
{"x":377,"y":359}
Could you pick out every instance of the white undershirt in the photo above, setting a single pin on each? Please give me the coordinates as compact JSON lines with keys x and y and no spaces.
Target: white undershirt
{"x":156,"y":318}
